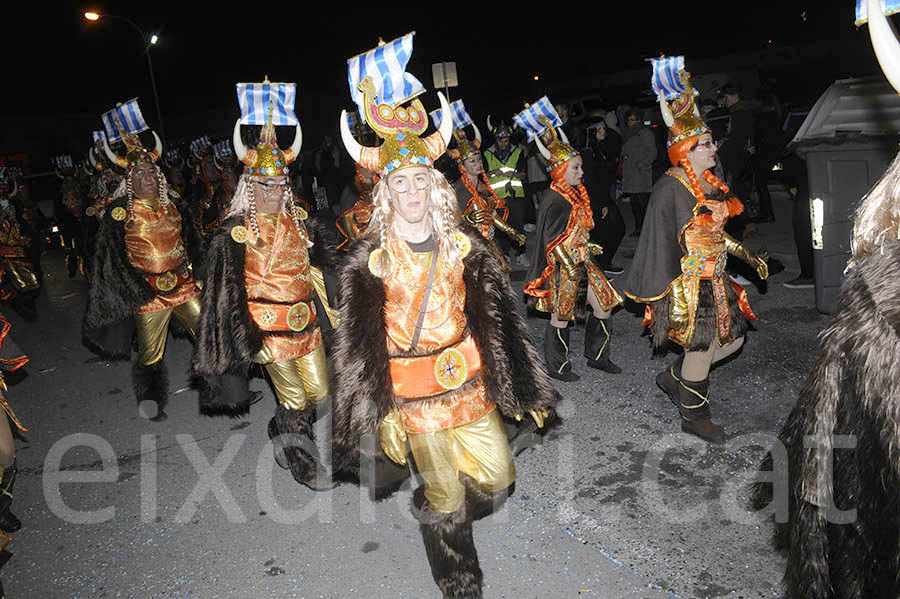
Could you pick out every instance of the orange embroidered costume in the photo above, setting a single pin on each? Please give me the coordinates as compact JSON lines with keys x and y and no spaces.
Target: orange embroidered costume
{"x":431,"y":348}
{"x":563,"y":259}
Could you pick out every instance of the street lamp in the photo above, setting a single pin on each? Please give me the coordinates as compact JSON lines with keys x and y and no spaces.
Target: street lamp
{"x":147,"y":41}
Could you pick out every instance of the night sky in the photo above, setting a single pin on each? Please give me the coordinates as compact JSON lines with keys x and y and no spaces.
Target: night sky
{"x":65,"y":65}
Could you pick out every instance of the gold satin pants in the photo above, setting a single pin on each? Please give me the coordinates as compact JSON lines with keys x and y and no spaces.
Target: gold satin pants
{"x":298,"y":380}
{"x":23,"y":276}
{"x":153,"y":329}
{"x":478,"y":449}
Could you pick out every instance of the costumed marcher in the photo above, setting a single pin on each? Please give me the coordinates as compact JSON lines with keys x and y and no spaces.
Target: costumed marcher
{"x":145,"y":262}
{"x":354,"y":220}
{"x":478,"y":203}
{"x":264,"y":302}
{"x":507,"y":171}
{"x":679,"y":266}
{"x":11,"y":359}
{"x":208,"y":199}
{"x":20,"y":281}
{"x":841,"y":533}
{"x":563,"y":259}
{"x":432,"y":347}
{"x":68,"y":213}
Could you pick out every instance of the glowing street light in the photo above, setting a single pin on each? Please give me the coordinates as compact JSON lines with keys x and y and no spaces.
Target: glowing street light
{"x":536,"y":78}
{"x":147,"y":41}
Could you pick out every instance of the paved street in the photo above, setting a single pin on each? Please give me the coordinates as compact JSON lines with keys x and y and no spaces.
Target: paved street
{"x":616,"y":503}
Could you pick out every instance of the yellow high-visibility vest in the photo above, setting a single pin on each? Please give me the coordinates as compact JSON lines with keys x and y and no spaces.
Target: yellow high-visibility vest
{"x":500,"y":174}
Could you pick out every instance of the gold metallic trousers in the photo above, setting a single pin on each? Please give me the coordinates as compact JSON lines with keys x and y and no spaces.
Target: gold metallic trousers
{"x":153,"y":329}
{"x":299,"y":380}
{"x":479,"y":449}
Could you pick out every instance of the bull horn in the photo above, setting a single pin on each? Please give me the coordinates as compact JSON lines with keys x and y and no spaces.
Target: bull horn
{"x":113,"y":157}
{"x":884,"y":41}
{"x":446,"y":128}
{"x":666,"y":111}
{"x":240,"y":150}
{"x":477,"y":134}
{"x":159,"y":147}
{"x":541,"y":148}
{"x":562,"y":134}
{"x":490,"y":128}
{"x":294,"y":151}
{"x":352,"y":146}
{"x":92,"y":159}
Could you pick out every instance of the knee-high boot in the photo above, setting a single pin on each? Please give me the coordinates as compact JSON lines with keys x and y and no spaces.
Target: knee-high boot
{"x":692,"y":400}
{"x":292,"y":434}
{"x":151,"y":383}
{"x":450,"y":548}
{"x":597,"y":342}
{"x":556,"y":353}
{"x":8,"y":521}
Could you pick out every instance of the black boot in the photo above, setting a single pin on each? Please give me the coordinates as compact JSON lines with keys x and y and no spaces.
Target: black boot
{"x":692,"y":400}
{"x":556,"y":353}
{"x":450,"y":548}
{"x":151,"y":383}
{"x":597,"y":345}
{"x":8,"y":521}
{"x":295,"y":448}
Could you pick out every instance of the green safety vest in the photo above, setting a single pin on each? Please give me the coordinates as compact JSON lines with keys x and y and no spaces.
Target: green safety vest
{"x":502,"y":181}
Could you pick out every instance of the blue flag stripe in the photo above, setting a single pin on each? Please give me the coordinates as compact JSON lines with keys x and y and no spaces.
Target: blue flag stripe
{"x":889,"y":7}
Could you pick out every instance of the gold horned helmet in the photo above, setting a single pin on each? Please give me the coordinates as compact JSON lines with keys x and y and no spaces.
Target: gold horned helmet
{"x":400,"y":128}
{"x":465,"y":149}
{"x":555,"y":149}
{"x":267,"y":159}
{"x":681,"y":114}
{"x":135,"y":152}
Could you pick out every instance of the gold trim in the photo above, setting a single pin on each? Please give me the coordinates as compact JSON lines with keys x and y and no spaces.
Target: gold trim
{"x":118,"y":213}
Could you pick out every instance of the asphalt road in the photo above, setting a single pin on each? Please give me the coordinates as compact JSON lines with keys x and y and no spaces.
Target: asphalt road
{"x":616,"y":503}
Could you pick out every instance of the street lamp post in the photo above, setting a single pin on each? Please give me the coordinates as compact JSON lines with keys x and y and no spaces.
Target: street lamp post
{"x":147,"y":41}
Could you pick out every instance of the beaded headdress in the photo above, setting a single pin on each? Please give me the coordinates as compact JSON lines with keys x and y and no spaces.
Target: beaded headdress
{"x":465,"y":149}
{"x":555,"y":149}
{"x":267,"y":159}
{"x":135,"y":153}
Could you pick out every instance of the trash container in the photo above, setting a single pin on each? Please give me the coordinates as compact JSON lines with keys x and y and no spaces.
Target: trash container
{"x":848,"y":140}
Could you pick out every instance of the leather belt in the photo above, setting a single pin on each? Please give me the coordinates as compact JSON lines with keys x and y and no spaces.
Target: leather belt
{"x":283,"y":317}
{"x":424,"y":376}
{"x":168,"y":281}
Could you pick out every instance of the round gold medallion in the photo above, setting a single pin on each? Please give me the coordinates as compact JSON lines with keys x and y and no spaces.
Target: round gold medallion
{"x":298,"y":317}
{"x":166,"y":281}
{"x":90,"y":211}
{"x":118,"y":213}
{"x":462,"y":243}
{"x":268,"y":316}
{"x":450,"y":369}
{"x":301,"y":213}
{"x":373,"y":258}
{"x":239,"y":234}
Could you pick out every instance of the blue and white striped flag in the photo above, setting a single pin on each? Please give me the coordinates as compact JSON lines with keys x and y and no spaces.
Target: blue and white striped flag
{"x":386,"y":65}
{"x":255,"y":98}
{"x":665,"y":79}
{"x":97,"y":137}
{"x":62,"y":161}
{"x":890,"y":7}
{"x":461,"y":118}
{"x":222,"y":149}
{"x":528,"y":118}
{"x":198,"y":146}
{"x":173,"y":156}
{"x":129,"y":118}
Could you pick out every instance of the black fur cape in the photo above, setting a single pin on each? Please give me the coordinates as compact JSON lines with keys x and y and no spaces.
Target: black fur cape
{"x":117,"y":289}
{"x":227,"y":337}
{"x":854,"y":389}
{"x":514,"y":374}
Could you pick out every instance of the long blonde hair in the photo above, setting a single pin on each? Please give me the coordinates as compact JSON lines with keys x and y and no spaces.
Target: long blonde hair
{"x":442,"y":212}
{"x":877,"y":219}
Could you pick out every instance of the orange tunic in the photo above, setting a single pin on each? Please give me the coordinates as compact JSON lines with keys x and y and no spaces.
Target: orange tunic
{"x":279,"y":272}
{"x":154,"y":246}
{"x":444,"y":325}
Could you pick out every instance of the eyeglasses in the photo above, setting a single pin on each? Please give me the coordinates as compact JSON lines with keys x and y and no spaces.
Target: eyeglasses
{"x":706,"y":145}
{"x":273,"y":185}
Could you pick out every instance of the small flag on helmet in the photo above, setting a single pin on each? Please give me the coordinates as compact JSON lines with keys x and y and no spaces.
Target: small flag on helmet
{"x":862,"y":12}
{"x":97,"y":137}
{"x":386,"y":65}
{"x":255,"y":99}
{"x":126,"y":117}
{"x":222,"y":149}
{"x":529,"y":119}
{"x":199,"y":145}
{"x":461,"y":118}
{"x":62,"y":161}
{"x":666,"y":79}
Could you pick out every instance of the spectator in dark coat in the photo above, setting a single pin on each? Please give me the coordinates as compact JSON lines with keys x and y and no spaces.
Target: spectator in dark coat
{"x":600,"y":162}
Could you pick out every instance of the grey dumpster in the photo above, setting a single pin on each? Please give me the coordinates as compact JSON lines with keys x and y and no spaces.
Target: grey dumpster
{"x":848,"y":140}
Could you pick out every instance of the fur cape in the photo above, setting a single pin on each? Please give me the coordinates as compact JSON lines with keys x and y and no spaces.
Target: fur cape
{"x":514,"y":374}
{"x":117,"y":288}
{"x":854,"y":389}
{"x":227,"y":337}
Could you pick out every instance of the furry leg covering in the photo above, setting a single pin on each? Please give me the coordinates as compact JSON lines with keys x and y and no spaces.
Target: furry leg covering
{"x":450,"y":548}
{"x":295,"y":448}
{"x":151,"y":383}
